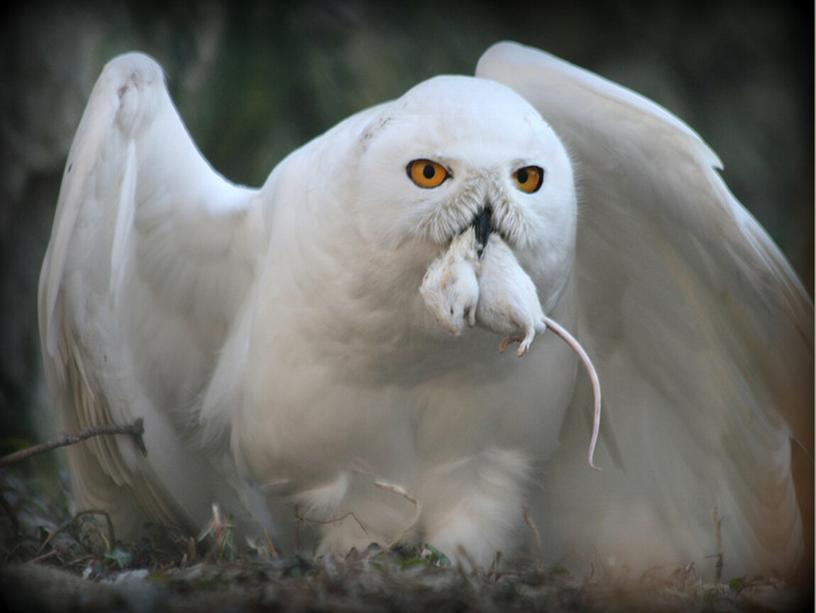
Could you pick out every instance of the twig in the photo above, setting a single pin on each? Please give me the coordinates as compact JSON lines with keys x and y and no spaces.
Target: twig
{"x":494,"y":572}
{"x":11,"y":514}
{"x":401,"y":491}
{"x":45,"y":556}
{"x":715,"y":515}
{"x":297,"y":532}
{"x":188,"y":543}
{"x":331,"y":520}
{"x":221,"y":531}
{"x":270,"y":545}
{"x":76,"y":561}
{"x":463,"y":554}
{"x":111,"y":534}
{"x":531,"y":524}
{"x":136,"y":430}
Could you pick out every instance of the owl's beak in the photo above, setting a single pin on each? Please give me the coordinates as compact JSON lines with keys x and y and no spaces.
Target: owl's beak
{"x":483,"y":226}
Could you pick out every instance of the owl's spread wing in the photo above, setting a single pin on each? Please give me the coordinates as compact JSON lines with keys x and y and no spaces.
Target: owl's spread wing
{"x":151,"y":255}
{"x":701,"y":332}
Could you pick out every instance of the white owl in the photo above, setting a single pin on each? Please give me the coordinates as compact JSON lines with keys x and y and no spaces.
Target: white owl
{"x":286,"y":364}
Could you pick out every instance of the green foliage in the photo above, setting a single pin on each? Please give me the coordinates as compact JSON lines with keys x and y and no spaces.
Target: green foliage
{"x":559,"y":571}
{"x":433,"y":556}
{"x":119,"y":557}
{"x":737,"y":584}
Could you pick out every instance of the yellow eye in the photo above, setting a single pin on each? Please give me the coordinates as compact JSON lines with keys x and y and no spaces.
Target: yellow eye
{"x":426,"y":173}
{"x":529,"y":178}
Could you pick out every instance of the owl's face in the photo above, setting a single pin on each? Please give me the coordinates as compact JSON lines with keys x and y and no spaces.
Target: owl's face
{"x":454,"y":151}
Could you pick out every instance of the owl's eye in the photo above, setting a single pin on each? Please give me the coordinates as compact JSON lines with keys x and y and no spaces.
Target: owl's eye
{"x":426,"y":173}
{"x":529,"y":178}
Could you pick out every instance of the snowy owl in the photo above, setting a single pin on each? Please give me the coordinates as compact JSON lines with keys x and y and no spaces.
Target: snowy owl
{"x":322,"y":350}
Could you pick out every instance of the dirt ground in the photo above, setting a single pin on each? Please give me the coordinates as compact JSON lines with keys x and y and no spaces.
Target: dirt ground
{"x":51,"y":561}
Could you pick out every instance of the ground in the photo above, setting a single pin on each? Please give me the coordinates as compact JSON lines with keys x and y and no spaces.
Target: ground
{"x":52,"y":561}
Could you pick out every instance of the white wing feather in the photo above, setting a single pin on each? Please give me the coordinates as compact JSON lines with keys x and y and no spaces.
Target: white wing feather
{"x":700,"y":330}
{"x":150,"y":258}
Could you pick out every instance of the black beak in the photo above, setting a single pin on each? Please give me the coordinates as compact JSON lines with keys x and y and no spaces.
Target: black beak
{"x":483,"y":226}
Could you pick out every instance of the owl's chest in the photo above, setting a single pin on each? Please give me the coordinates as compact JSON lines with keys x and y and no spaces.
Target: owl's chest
{"x":432,"y":400}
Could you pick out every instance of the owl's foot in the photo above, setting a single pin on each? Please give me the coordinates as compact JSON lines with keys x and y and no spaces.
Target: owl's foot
{"x":473,"y":506}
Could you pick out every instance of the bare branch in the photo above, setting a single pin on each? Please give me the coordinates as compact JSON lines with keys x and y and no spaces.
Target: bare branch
{"x":401,"y":491}
{"x":136,"y":430}
{"x":331,"y":520}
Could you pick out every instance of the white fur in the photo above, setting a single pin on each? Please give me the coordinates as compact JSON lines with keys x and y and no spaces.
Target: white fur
{"x":508,"y":302}
{"x":450,"y":286}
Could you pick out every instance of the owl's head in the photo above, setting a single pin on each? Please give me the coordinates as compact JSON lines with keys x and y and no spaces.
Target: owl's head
{"x":457,"y":151}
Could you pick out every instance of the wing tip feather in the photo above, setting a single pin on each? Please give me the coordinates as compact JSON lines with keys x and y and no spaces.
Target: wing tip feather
{"x":508,"y":52}
{"x":133,"y":62}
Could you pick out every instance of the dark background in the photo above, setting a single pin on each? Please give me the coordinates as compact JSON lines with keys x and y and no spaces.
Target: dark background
{"x":255,"y":80}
